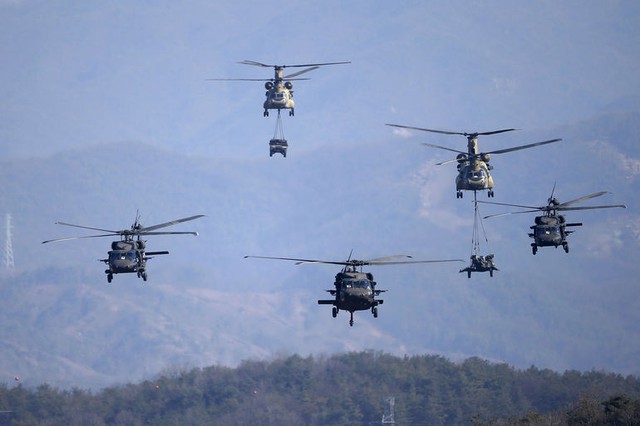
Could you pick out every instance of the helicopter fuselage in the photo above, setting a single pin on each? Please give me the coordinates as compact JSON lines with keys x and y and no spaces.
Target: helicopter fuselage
{"x":550,"y":231}
{"x":354,"y":291}
{"x":128,"y":256}
{"x":473,"y":175}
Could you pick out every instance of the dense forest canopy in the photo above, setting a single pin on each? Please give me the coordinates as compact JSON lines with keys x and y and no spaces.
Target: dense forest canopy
{"x":344,"y":389}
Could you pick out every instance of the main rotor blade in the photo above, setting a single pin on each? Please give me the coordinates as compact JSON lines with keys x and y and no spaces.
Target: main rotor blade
{"x":80,"y":238}
{"x":512,"y":205}
{"x":146,"y":229}
{"x":592,"y":207}
{"x":387,"y":258}
{"x":257,"y":64}
{"x":447,"y":132}
{"x":443,"y":147}
{"x":504,"y":214}
{"x":414,"y":261}
{"x":260,"y":64}
{"x":87,"y":227}
{"x":299,"y":260}
{"x":517,"y":148}
{"x":239,"y":79}
{"x":144,"y":232}
{"x":444,"y":132}
{"x":300,"y":72}
{"x":581,"y":199}
{"x":316,"y":65}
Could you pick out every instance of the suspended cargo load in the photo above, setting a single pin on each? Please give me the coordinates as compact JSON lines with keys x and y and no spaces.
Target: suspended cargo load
{"x":278,"y":146}
{"x":479,"y":263}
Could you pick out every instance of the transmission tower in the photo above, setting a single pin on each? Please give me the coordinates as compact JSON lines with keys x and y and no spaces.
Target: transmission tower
{"x":387,"y":417}
{"x":8,"y":247}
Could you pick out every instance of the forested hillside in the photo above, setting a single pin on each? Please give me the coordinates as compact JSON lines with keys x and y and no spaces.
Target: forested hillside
{"x":346,"y":389}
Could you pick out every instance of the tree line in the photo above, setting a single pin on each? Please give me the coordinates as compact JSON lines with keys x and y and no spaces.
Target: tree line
{"x":342,"y":389}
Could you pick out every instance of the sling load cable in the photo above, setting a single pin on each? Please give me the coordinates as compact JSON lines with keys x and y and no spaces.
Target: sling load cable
{"x":475,"y":239}
{"x":279,"y":130}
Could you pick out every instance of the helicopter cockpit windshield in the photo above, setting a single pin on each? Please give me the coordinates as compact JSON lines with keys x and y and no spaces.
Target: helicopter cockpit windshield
{"x":122,"y":255}
{"x":356,"y":284}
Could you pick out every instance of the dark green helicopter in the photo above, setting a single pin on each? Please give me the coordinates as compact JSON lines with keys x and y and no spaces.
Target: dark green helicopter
{"x":550,"y":229}
{"x":129,"y":254}
{"x":355,"y":290}
{"x":473,"y":166}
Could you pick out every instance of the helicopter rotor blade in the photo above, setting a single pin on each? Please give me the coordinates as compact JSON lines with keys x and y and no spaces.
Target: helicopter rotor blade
{"x":300,"y":261}
{"x":80,"y":238}
{"x":260,"y":64}
{"x":447,"y":132}
{"x":592,"y":207}
{"x":146,"y":229}
{"x":581,"y":199}
{"x":444,"y":132}
{"x":239,"y":79}
{"x":444,"y":147}
{"x":88,"y":227}
{"x":518,"y":148}
{"x":512,"y":205}
{"x":407,"y":262}
{"x":295,"y":74}
{"x":257,"y":64}
{"x":507,"y":213}
{"x":388,"y":258}
{"x":144,"y":232}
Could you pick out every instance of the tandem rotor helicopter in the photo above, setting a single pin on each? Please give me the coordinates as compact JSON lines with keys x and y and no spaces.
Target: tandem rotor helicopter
{"x":279,"y":88}
{"x":473,"y":166}
{"x":550,"y":229}
{"x":129,"y":254}
{"x":355,"y":290}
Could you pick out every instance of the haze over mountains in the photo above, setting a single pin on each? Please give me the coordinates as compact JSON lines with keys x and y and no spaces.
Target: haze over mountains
{"x":205,"y":304}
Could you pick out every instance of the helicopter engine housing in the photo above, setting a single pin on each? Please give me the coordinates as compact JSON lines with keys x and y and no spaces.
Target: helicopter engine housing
{"x":288,"y":85}
{"x":268,"y":85}
{"x":461,"y":158}
{"x":485,"y":157}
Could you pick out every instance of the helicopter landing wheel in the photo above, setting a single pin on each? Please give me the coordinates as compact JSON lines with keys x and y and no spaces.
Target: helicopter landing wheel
{"x":534,"y":249}
{"x":565,"y":246}
{"x":109,"y":277}
{"x":374,"y":311}
{"x":459,"y":194}
{"x":490,"y":193}
{"x":265,"y":113}
{"x":468,"y":274}
{"x":491,"y":273}
{"x":334,"y":312}
{"x":291,"y":113}
{"x":144,"y":276}
{"x":351,"y":320}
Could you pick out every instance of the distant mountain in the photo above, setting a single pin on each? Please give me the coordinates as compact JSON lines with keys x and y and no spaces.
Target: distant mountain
{"x":205,"y":304}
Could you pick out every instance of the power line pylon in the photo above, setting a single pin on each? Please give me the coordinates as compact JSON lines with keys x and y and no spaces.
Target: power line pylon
{"x":387,"y":417}
{"x":9,"y":263}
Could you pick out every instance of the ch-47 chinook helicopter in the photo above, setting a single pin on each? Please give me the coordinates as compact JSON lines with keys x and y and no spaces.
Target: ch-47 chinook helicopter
{"x":355,"y":290}
{"x":550,"y":229}
{"x":279,"y":88}
{"x":473,"y":166}
{"x":129,"y":254}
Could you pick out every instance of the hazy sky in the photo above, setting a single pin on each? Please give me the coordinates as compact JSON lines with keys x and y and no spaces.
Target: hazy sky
{"x":84,"y":73}
{"x":88,"y":73}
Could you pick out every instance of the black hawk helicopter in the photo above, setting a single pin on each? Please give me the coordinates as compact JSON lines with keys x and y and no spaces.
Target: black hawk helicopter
{"x":355,"y":290}
{"x":279,"y":88}
{"x":473,"y":166}
{"x":550,"y":229}
{"x":129,"y":254}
